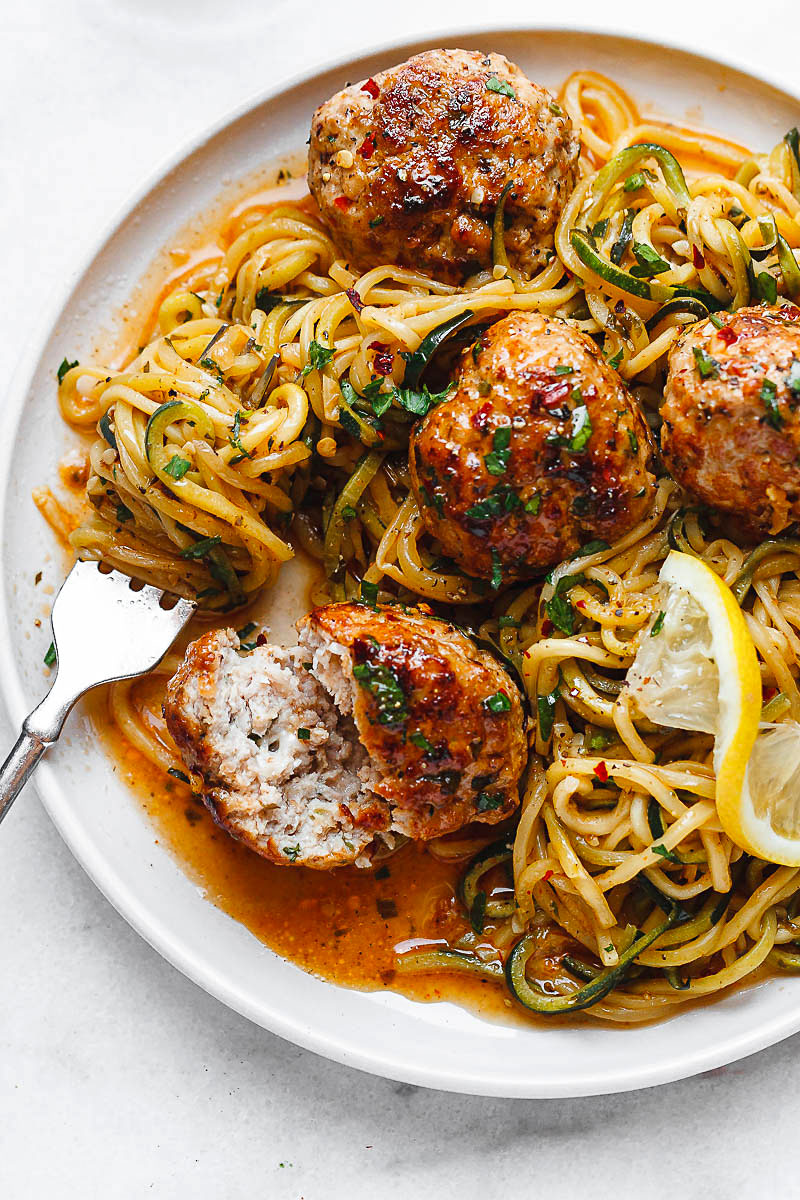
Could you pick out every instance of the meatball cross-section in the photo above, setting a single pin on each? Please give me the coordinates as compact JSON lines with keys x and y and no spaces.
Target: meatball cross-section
{"x":381,"y":722}
{"x":539,"y":449}
{"x":408,"y":167}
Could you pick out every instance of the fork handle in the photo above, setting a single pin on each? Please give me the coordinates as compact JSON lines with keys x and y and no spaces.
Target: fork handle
{"x":17,"y":768}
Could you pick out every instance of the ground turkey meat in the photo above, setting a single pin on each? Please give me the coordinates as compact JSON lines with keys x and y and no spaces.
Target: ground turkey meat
{"x":381,"y":722}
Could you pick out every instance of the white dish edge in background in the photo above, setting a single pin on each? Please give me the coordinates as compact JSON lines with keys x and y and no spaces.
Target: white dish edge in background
{"x":435,"y":1045}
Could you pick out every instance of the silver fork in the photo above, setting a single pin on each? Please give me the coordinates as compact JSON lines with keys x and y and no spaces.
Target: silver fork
{"x":103,"y":629}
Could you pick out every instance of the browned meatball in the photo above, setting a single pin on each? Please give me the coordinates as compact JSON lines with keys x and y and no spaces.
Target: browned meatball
{"x":540,"y":449}
{"x":731,"y":432}
{"x":379,"y":723}
{"x":441,"y":719}
{"x":408,"y":167}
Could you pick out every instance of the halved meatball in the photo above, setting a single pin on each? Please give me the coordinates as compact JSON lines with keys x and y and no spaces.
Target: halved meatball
{"x":731,"y":432}
{"x":408,"y":167}
{"x":540,"y":449}
{"x":380,"y":722}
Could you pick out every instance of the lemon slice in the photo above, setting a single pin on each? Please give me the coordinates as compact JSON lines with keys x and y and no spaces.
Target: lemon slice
{"x":697,"y":669}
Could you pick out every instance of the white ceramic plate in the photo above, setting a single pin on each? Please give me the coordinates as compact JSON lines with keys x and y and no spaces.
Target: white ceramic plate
{"x":438,"y":1045}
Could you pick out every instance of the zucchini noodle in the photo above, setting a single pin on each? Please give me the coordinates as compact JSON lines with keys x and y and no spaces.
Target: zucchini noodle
{"x":269,"y":408}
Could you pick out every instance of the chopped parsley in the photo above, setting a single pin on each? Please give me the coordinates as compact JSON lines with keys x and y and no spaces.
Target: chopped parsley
{"x":648,"y":262}
{"x":545,"y":708}
{"x":369,"y":593}
{"x":291,"y":852}
{"x":658,"y":624}
{"x":769,"y":398}
{"x":597,"y":741}
{"x":496,"y":460}
{"x":385,"y":689}
{"x":707,"y":367}
{"x":563,"y":369}
{"x":318,"y":358}
{"x":304,"y":734}
{"x":558,"y":608}
{"x":489,"y":801}
{"x":498,"y":702}
{"x":600,"y":229}
{"x":375,"y":222}
{"x":62,"y":370}
{"x":633,"y":441}
{"x":493,"y":84}
{"x":419,"y":403}
{"x":496,"y":579}
{"x":177,"y":467}
{"x":616,"y":359}
{"x":766,"y":287}
{"x":502,"y":499}
{"x":507,"y":623}
{"x":201,"y":548}
{"x":176,"y":774}
{"x":580,"y":428}
{"x":663,"y":852}
{"x":418,"y":739}
{"x":50,"y":656}
{"x":123,"y":513}
{"x":716,"y":320}
{"x":533,"y":505}
{"x":592,"y":547}
{"x":246,"y":630}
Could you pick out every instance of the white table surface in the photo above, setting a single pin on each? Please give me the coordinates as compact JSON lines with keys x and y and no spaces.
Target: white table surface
{"x":118,"y":1077}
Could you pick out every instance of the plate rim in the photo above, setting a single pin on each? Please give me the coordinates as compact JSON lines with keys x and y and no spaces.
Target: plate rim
{"x":149,"y":925}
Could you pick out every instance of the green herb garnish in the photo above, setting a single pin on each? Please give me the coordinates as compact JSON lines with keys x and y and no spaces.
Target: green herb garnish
{"x":385,"y":688}
{"x":496,"y":460}
{"x":707,"y":367}
{"x":318,"y":358}
{"x":493,"y":84}
{"x":177,"y":467}
{"x":62,"y":370}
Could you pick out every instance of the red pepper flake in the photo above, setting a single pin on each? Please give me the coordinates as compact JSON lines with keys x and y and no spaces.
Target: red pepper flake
{"x":367,"y":147}
{"x":601,"y":771}
{"x":342,"y":203}
{"x":580,"y":604}
{"x":480,"y":419}
{"x":383,"y":360}
{"x":727,"y":335}
{"x":553,"y":394}
{"x":769,"y":693}
{"x":697,"y":258}
{"x":371,"y":88}
{"x":355,"y":299}
{"x":547,"y":875}
{"x":547,"y":627}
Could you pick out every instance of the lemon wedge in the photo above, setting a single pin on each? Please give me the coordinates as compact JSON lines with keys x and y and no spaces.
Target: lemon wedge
{"x":697,"y":669}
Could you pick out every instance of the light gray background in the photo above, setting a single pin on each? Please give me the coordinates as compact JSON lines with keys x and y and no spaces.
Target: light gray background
{"x":118,"y":1077}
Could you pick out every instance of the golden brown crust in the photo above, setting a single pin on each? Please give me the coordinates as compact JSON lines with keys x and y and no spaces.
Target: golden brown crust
{"x":198,"y":673}
{"x":408,"y":167}
{"x":444,"y":757}
{"x":732,"y":439}
{"x":529,"y":374}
